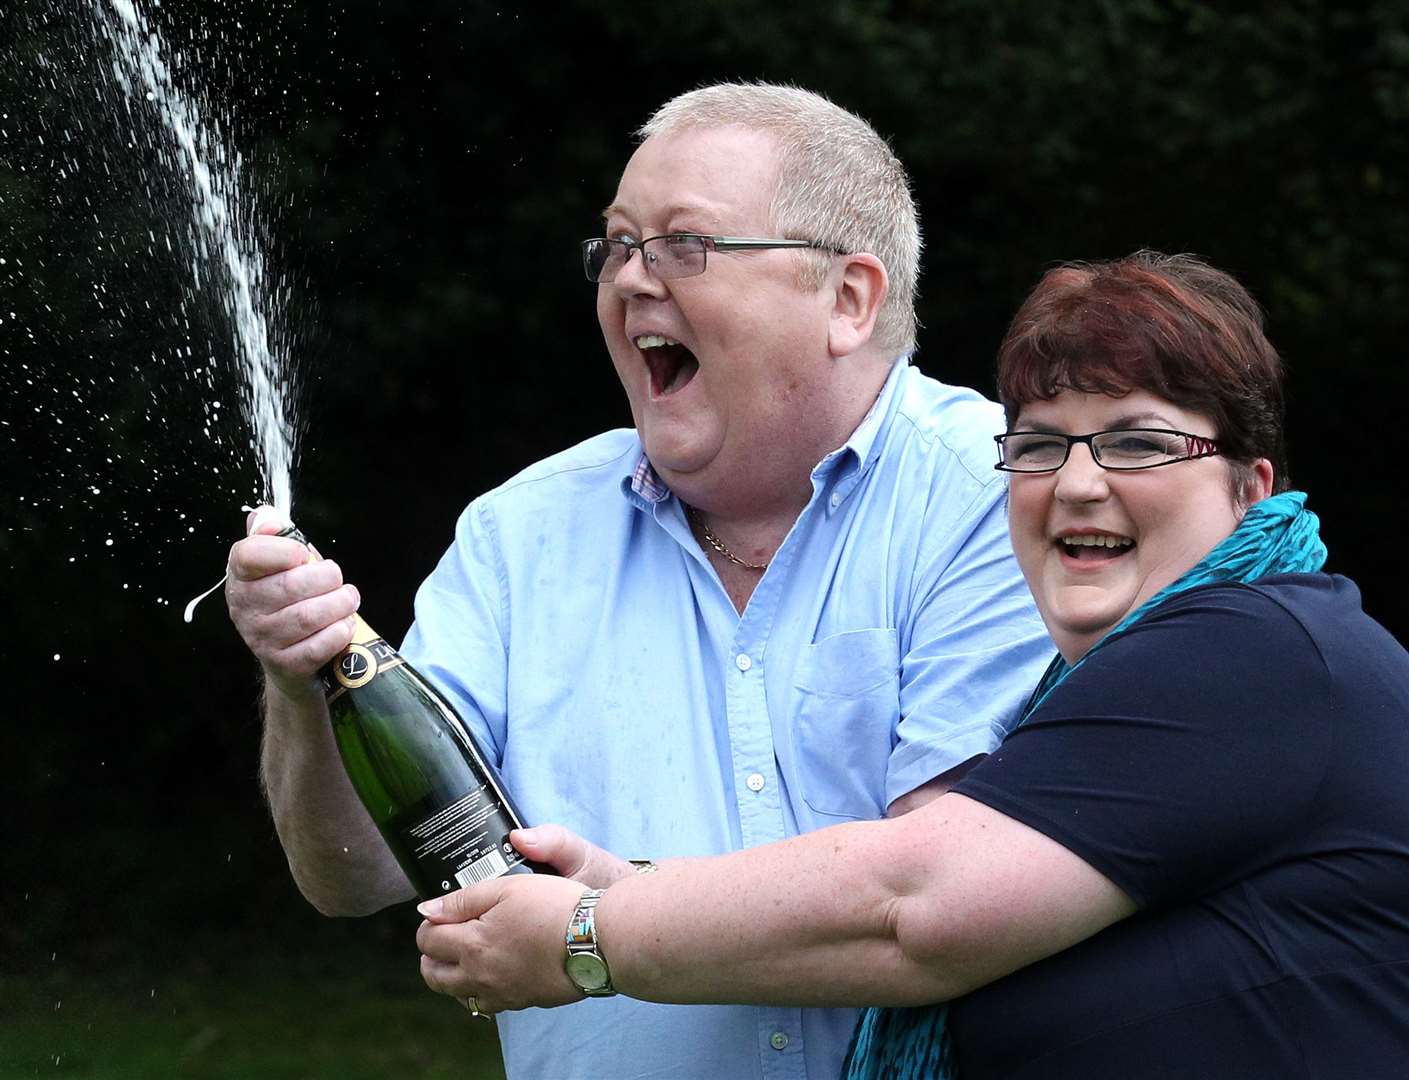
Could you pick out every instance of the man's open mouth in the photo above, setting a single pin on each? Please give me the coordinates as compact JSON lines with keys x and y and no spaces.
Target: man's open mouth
{"x":1095,"y":548}
{"x":672,"y":365}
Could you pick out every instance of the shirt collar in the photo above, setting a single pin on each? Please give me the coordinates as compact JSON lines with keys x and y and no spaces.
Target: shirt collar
{"x":864,"y":445}
{"x":645,"y":483}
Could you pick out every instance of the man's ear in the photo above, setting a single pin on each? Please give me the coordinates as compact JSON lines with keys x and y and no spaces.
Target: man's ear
{"x":859,"y":284}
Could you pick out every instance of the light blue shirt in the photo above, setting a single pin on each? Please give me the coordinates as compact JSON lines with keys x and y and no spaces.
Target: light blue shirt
{"x":581,"y":632}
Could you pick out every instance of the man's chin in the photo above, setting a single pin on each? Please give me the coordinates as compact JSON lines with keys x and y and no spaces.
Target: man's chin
{"x":676,"y":453}
{"x":672,"y":467}
{"x":688,"y":475}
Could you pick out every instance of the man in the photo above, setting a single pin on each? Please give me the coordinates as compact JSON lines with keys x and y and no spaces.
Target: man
{"x":785,"y":599}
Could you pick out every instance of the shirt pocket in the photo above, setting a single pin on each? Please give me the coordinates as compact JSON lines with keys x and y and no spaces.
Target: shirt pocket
{"x":848,"y":705}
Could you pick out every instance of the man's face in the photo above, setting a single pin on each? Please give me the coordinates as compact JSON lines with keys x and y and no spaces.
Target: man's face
{"x":750,"y":374}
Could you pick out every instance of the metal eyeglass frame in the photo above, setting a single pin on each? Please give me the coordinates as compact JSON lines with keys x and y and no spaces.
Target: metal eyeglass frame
{"x":715,"y":243}
{"x":1197,"y":446}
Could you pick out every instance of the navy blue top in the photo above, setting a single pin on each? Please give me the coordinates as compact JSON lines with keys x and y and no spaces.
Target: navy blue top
{"x":1238,"y":763}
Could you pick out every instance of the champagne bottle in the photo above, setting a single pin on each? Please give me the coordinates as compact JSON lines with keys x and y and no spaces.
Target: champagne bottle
{"x":427,"y":786}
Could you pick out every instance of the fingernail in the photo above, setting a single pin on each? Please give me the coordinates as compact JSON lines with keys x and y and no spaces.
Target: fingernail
{"x":430,"y":907}
{"x":356,"y":596}
{"x":529,"y":835}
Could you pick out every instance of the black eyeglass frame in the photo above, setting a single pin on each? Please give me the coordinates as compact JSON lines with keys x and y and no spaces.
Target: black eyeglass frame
{"x":711,"y":243}
{"x":1199,"y":446}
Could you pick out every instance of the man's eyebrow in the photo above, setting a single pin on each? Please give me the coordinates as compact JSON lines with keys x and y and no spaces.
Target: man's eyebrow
{"x":674,"y":210}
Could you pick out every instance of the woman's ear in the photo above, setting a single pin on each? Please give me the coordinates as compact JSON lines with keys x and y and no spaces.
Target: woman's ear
{"x":1258,"y":482}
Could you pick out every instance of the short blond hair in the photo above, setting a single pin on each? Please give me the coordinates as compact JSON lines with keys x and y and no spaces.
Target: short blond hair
{"x":838,"y":184}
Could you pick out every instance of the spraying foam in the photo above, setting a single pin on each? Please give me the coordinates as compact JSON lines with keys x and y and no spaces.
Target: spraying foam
{"x":224,"y":227}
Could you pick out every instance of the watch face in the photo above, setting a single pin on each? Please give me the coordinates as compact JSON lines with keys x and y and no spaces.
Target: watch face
{"x":588,"y":971}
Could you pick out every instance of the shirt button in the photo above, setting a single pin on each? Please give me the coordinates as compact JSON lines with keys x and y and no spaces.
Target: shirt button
{"x":779,"y":1041}
{"x":743,"y":661}
{"x":755,"y":781}
{"x":836,"y":501}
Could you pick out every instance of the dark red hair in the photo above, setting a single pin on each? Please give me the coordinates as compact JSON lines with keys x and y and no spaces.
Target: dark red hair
{"x":1168,"y":324}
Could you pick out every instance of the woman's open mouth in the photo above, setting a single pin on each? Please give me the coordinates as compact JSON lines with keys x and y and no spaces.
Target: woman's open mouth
{"x":1100,"y":547}
{"x":671,"y":365}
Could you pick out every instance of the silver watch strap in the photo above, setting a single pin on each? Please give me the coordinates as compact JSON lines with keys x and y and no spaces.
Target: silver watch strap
{"x":585,"y":964}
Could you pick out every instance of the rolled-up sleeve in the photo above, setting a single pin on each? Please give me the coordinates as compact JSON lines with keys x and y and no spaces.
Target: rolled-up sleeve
{"x":976,"y":648}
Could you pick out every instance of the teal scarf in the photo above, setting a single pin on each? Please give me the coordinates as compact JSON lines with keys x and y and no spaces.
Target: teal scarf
{"x":1276,"y":536}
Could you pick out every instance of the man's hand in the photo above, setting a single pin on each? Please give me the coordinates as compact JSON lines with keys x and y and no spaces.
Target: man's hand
{"x":571,"y":855}
{"x":501,"y":942}
{"x":294,"y":615}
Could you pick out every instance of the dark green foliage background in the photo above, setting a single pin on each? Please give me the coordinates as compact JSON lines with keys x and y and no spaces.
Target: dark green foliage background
{"x":431,"y":168}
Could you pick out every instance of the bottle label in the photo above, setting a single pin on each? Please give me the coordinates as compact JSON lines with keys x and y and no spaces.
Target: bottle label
{"x":360,"y":663}
{"x":465,"y":843}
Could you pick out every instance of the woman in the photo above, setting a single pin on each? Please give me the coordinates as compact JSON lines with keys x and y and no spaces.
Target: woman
{"x":1190,"y":860}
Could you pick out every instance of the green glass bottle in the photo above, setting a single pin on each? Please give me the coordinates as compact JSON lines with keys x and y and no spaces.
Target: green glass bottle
{"x":435,"y":798}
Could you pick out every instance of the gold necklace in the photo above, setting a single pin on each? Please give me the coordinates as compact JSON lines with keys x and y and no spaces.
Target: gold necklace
{"x":718,"y":544}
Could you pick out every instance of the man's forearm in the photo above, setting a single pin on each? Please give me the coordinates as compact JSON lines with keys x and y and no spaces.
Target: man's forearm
{"x":338,"y":858}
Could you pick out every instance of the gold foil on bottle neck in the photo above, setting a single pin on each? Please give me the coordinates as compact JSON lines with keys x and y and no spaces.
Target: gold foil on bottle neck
{"x":362,"y":634}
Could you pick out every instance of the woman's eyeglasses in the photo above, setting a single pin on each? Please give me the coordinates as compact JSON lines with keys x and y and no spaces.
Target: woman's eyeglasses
{"x":1123,"y":449}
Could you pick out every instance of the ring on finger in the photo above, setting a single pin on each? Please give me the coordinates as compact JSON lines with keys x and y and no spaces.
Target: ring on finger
{"x":472,"y":1003}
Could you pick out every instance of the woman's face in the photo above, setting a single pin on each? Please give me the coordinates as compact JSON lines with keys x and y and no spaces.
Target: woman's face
{"x":1148,"y":526}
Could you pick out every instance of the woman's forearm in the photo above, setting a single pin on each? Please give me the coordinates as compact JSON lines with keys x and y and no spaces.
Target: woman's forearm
{"x":828,"y":918}
{"x":921,"y":908}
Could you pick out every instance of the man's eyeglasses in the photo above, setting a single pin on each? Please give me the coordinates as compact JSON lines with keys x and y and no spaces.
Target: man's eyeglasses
{"x":1122,"y":450}
{"x":674,"y":255}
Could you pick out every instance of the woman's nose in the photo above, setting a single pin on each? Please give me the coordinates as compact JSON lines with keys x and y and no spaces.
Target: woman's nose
{"x":1081,"y":479}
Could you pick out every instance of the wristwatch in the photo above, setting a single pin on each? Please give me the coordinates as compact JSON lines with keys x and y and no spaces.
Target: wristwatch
{"x":585,"y":964}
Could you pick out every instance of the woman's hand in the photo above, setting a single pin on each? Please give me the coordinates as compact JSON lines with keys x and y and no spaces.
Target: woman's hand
{"x":571,"y":855}
{"x":501,"y":943}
